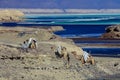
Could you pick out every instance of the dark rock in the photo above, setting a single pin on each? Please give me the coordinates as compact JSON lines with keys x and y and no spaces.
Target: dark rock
{"x":117,"y":29}
{"x":22,"y":77}
{"x":108,"y":29}
{"x":112,"y":32}
{"x":116,"y":64}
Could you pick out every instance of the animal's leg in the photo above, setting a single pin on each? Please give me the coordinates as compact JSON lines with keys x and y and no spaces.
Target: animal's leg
{"x":33,"y":46}
{"x":82,"y":60}
{"x":67,"y":59}
{"x":91,"y":60}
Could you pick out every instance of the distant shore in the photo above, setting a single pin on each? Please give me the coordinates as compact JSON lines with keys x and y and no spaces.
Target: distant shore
{"x":66,"y":11}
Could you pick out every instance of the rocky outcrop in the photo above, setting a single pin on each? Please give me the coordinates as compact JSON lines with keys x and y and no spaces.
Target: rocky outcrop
{"x":56,"y":28}
{"x":11,"y":16}
{"x":112,"y":32}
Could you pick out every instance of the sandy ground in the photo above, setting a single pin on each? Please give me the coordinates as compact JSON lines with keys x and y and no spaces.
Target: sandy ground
{"x":42,"y":64}
{"x":11,"y":15}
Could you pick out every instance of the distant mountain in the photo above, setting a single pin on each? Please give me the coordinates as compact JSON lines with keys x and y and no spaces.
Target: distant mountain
{"x":61,"y":4}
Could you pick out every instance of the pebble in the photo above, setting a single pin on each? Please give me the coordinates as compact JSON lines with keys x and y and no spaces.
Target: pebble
{"x":116,"y":64}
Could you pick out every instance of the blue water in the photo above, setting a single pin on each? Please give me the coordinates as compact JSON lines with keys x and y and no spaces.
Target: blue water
{"x":74,"y":19}
{"x":82,"y":31}
{"x":76,"y":25}
{"x":104,"y":51}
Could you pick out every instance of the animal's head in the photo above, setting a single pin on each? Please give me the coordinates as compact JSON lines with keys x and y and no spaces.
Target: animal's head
{"x":74,"y":52}
{"x":92,"y":60}
{"x":64,"y":48}
{"x":53,"y":48}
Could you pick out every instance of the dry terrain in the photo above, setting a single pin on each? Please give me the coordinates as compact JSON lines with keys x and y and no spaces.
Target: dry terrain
{"x":42,"y":64}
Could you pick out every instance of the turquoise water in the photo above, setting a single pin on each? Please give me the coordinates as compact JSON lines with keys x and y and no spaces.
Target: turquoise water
{"x":73,"y":19}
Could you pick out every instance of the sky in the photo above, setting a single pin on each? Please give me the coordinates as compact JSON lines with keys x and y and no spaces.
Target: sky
{"x":61,"y":4}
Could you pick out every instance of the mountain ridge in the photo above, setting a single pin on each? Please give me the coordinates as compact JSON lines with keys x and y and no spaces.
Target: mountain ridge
{"x":61,"y":4}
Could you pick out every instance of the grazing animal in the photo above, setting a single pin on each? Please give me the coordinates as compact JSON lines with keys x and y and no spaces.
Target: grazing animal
{"x":65,"y":55}
{"x":30,"y":43}
{"x":33,"y":45}
{"x":61,"y":52}
{"x":84,"y":57}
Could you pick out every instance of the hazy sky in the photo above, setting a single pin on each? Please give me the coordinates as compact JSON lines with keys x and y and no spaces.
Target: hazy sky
{"x":74,"y":4}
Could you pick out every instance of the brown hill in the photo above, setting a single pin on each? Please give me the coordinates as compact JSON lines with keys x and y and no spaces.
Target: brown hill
{"x":112,"y":32}
{"x":11,"y":15}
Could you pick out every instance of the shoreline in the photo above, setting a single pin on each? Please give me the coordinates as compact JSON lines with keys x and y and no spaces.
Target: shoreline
{"x":92,"y":39}
{"x":97,"y":42}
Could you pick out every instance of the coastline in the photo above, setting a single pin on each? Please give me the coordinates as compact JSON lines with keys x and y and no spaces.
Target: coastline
{"x":16,"y":64}
{"x":96,"y":42}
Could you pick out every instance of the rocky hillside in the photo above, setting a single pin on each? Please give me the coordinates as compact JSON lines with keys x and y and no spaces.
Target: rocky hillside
{"x":17,"y":64}
{"x":11,"y":15}
{"x":42,"y":64}
{"x":112,"y":32}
